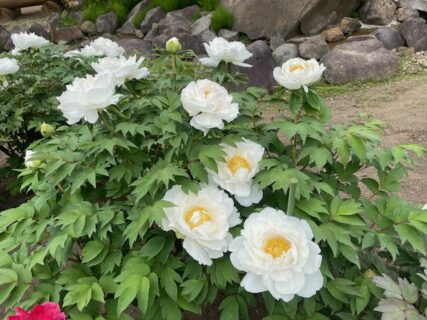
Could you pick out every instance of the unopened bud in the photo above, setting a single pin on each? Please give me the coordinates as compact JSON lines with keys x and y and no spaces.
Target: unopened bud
{"x":173,"y":45}
{"x":47,"y":130}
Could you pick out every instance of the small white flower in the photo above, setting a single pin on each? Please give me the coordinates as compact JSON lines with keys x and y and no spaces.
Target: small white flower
{"x":425,"y":207}
{"x":122,"y":68}
{"x":220,"y":49}
{"x":8,"y":66}
{"x":86,"y":96}
{"x":278,"y":255}
{"x":237,"y":172}
{"x":24,"y":41}
{"x":29,"y":163}
{"x":202,"y":220}
{"x":209,"y":104}
{"x":102,"y":47}
{"x":296,"y":73}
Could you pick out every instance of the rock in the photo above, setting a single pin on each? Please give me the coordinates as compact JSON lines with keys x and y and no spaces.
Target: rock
{"x":406,"y":13}
{"x":50,"y":7}
{"x":4,"y":37}
{"x":138,"y":46}
{"x":188,"y":13}
{"x":7,"y":14}
{"x":261,"y":73}
{"x":107,"y":23}
{"x":333,"y":34}
{"x":414,"y":4}
{"x":201,"y":25}
{"x":67,"y":34}
{"x":380,"y":12}
{"x":129,"y":26}
{"x":207,"y":36}
{"x":361,"y":59}
{"x":88,"y":27}
{"x":405,"y":51}
{"x":189,"y":42}
{"x":276,"y":41}
{"x":349,"y":25}
{"x":39,"y":30}
{"x":285,"y":52}
{"x":326,"y":13}
{"x":260,"y":19}
{"x":228,"y":35}
{"x":77,"y":15}
{"x":313,"y":48}
{"x":139,"y":34}
{"x":153,"y":33}
{"x":414,"y":31}
{"x":54,"y":21}
{"x":153,"y":16}
{"x":390,"y":37}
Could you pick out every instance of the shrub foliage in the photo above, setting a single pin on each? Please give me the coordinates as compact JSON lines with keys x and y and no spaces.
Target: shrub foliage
{"x":90,"y":239}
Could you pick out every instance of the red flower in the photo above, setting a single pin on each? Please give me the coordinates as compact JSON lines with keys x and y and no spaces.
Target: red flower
{"x":45,"y":311}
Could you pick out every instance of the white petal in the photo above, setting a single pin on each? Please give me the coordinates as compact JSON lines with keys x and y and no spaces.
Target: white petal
{"x":197,"y":252}
{"x":313,"y":283}
{"x":253,"y":283}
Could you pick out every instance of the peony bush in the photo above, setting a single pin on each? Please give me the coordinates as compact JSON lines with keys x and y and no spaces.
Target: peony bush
{"x":165,"y":194}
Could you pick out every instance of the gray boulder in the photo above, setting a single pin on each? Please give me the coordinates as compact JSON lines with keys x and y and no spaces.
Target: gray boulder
{"x":4,"y":37}
{"x":260,"y":19}
{"x":390,"y":37}
{"x":285,"y":52}
{"x":380,"y":12}
{"x":153,"y":16}
{"x":136,"y":46}
{"x":360,"y":59}
{"x":349,"y":25}
{"x":414,"y":31}
{"x":54,"y":21}
{"x":201,"y":29}
{"x":228,"y":34}
{"x":406,"y":13}
{"x":67,"y":34}
{"x":414,"y":4}
{"x":88,"y":27}
{"x":326,"y":13}
{"x":313,"y":48}
{"x":129,"y":26}
{"x":107,"y":23}
{"x":261,"y":73}
{"x":40,"y":30}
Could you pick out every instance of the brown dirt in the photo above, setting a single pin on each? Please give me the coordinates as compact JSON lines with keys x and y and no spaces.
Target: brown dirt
{"x":402,"y":106}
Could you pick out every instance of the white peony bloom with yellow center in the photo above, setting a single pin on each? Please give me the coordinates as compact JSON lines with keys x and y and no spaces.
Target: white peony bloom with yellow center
{"x":220,"y":49}
{"x":237,"y":172}
{"x":203,"y":220}
{"x":29,"y":163}
{"x":278,"y":255}
{"x":209,"y":104}
{"x":121,"y":68}
{"x":8,"y":66}
{"x":85,"y":97}
{"x":23,"y":41}
{"x":296,"y":73}
{"x":100,"y":47}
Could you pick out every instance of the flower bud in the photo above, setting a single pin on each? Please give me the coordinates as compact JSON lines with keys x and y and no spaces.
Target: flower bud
{"x":47,"y":130}
{"x":173,"y":45}
{"x":369,"y":274}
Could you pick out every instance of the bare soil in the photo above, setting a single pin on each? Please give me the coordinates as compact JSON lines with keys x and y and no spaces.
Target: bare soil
{"x":402,"y":106}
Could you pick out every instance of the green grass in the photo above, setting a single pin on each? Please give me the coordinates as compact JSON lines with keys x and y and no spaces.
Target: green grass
{"x":222,"y":19}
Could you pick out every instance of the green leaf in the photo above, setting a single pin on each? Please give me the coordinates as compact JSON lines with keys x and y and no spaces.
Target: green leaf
{"x":92,"y":250}
{"x":229,"y":308}
{"x":409,"y":234}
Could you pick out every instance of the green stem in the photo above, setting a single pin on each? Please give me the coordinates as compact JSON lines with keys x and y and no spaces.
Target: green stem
{"x":117,"y":112}
{"x":106,"y":121}
{"x":291,"y":200}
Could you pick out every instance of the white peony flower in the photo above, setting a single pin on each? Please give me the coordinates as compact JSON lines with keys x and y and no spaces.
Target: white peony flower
{"x":278,"y":255}
{"x":236,"y":174}
{"x":86,"y":96}
{"x":8,"y":66}
{"x":425,"y":207}
{"x":220,"y":49}
{"x":102,"y":47}
{"x":209,"y":104}
{"x":296,"y":73}
{"x":24,"y":41}
{"x":31,"y":163}
{"x":202,"y":220}
{"x":121,"y":68}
